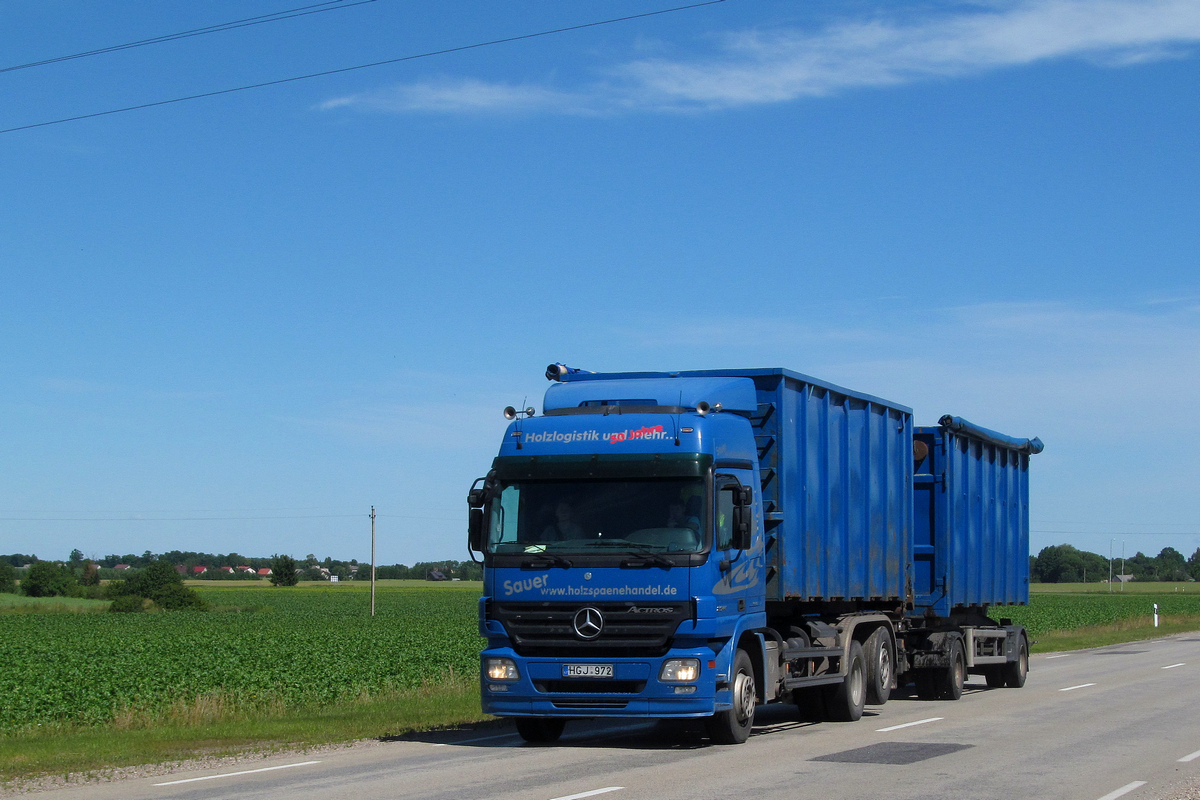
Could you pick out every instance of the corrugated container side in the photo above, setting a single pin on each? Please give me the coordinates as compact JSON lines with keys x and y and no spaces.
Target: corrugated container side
{"x":836,"y":471}
{"x":975,"y":545}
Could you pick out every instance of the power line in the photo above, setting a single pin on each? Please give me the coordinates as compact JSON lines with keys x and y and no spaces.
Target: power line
{"x":303,"y":11}
{"x":385,"y":62}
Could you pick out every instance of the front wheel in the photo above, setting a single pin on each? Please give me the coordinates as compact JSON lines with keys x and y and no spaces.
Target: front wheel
{"x":540,"y":729}
{"x":733,"y":726}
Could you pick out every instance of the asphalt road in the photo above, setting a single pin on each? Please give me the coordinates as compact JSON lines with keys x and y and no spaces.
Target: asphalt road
{"x":1119,"y":721}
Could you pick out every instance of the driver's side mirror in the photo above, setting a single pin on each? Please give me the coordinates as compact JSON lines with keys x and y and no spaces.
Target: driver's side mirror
{"x":475,"y":529}
{"x":476,"y":522}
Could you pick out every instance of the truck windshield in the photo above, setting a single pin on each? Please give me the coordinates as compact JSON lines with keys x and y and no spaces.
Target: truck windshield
{"x":663,"y":515}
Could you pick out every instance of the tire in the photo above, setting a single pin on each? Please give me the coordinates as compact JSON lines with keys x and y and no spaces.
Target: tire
{"x":1015,"y":671}
{"x":880,"y":667}
{"x":844,"y":702}
{"x":542,"y":730}
{"x":733,"y":726}
{"x":994,"y":676}
{"x":949,"y":681}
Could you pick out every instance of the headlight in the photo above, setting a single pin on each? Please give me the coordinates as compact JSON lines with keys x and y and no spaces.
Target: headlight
{"x":678,"y":670}
{"x":501,"y":669}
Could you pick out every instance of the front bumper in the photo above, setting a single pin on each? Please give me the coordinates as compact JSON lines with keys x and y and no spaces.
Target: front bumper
{"x":633,"y":691}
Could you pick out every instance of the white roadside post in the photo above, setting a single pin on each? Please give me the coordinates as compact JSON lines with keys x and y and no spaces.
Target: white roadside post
{"x":1156,"y":615}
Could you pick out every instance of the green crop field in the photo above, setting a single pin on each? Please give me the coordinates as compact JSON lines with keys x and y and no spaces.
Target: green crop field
{"x":1059,"y":611}
{"x":263,"y":648}
{"x":260,"y":647}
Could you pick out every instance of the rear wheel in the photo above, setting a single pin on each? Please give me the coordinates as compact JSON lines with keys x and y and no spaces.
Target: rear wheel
{"x":925,"y":681}
{"x":878,"y":652}
{"x":1015,"y":671}
{"x":950,"y":679}
{"x":994,"y":676}
{"x":844,"y":702}
{"x":540,"y":729}
{"x":733,"y":726}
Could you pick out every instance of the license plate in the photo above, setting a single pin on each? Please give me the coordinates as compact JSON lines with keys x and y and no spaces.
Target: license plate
{"x":587,"y":670}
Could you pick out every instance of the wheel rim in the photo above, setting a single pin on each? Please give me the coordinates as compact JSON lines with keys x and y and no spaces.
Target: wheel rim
{"x":744,"y":694}
{"x":885,"y":668}
{"x":960,"y":671}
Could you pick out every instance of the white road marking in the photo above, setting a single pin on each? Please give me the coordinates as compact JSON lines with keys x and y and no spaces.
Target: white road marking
{"x":1124,"y":790}
{"x":232,"y":774}
{"x":472,"y":741}
{"x":592,"y":793}
{"x":1190,"y":757}
{"x":1173,"y":666}
{"x":1064,"y":655}
{"x":908,"y":725}
{"x":1080,"y":686}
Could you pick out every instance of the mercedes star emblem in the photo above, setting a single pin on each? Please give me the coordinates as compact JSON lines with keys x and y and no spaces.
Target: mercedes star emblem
{"x":588,"y":622}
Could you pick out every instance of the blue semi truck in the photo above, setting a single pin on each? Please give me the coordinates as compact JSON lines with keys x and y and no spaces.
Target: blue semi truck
{"x":694,"y":544}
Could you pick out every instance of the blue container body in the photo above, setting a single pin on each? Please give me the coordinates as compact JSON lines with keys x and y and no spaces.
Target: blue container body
{"x":837,"y":489}
{"x":836,"y":473}
{"x":971,"y":518}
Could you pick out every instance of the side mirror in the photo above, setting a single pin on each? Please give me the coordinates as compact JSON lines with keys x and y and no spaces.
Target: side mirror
{"x":475,"y":529}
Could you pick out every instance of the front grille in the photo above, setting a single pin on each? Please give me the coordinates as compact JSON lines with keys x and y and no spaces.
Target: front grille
{"x":590,"y":687}
{"x":630,"y":629}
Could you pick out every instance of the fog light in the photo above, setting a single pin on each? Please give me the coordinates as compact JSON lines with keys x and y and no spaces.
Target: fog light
{"x":497,"y":687}
{"x":685,"y":689}
{"x":678,"y":670}
{"x":502,"y":669}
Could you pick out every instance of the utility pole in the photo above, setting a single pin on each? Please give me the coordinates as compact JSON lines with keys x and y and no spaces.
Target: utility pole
{"x":1110,"y":546}
{"x":372,"y":561}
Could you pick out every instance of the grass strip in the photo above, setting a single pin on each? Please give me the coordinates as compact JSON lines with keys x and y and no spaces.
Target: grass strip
{"x":1130,"y":630}
{"x":211,"y":728}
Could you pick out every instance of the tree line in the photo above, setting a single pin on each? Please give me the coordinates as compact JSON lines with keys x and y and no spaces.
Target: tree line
{"x":1063,"y":563}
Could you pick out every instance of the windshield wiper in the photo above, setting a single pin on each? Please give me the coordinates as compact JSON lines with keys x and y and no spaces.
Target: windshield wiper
{"x":648,"y":556}
{"x":546,"y":561}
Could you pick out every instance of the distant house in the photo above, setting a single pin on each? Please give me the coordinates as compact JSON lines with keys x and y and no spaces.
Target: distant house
{"x":180,"y":568}
{"x":227,"y":569}
{"x":247,"y":569}
{"x":199,"y":570}
{"x":265,"y":571}
{"x":121,"y":567}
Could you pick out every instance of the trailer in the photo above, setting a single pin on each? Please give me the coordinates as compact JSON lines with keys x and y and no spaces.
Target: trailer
{"x":694,"y":544}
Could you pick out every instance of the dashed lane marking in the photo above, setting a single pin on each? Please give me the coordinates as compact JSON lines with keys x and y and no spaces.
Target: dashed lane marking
{"x":233,"y":774}
{"x":908,"y":725}
{"x":592,"y":793}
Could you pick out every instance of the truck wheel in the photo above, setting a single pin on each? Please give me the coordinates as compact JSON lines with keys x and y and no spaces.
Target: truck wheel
{"x":1015,"y":671}
{"x":540,"y":729}
{"x":733,"y":726}
{"x":949,"y":681}
{"x":926,"y":683}
{"x":844,"y":702}
{"x":880,"y":660}
{"x":994,"y":676}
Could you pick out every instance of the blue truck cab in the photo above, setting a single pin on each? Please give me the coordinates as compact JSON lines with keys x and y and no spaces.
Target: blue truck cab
{"x":692,"y":544}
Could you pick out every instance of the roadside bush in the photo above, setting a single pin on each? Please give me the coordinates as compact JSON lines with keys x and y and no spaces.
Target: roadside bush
{"x":127,"y":603}
{"x":48,"y":579}
{"x":159,"y":583}
{"x":8,"y":578}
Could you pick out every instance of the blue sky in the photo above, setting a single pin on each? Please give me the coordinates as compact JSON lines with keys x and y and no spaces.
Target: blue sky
{"x":236,"y":323}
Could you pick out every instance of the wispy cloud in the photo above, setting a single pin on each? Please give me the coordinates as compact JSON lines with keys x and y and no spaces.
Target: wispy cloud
{"x":900,"y":45}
